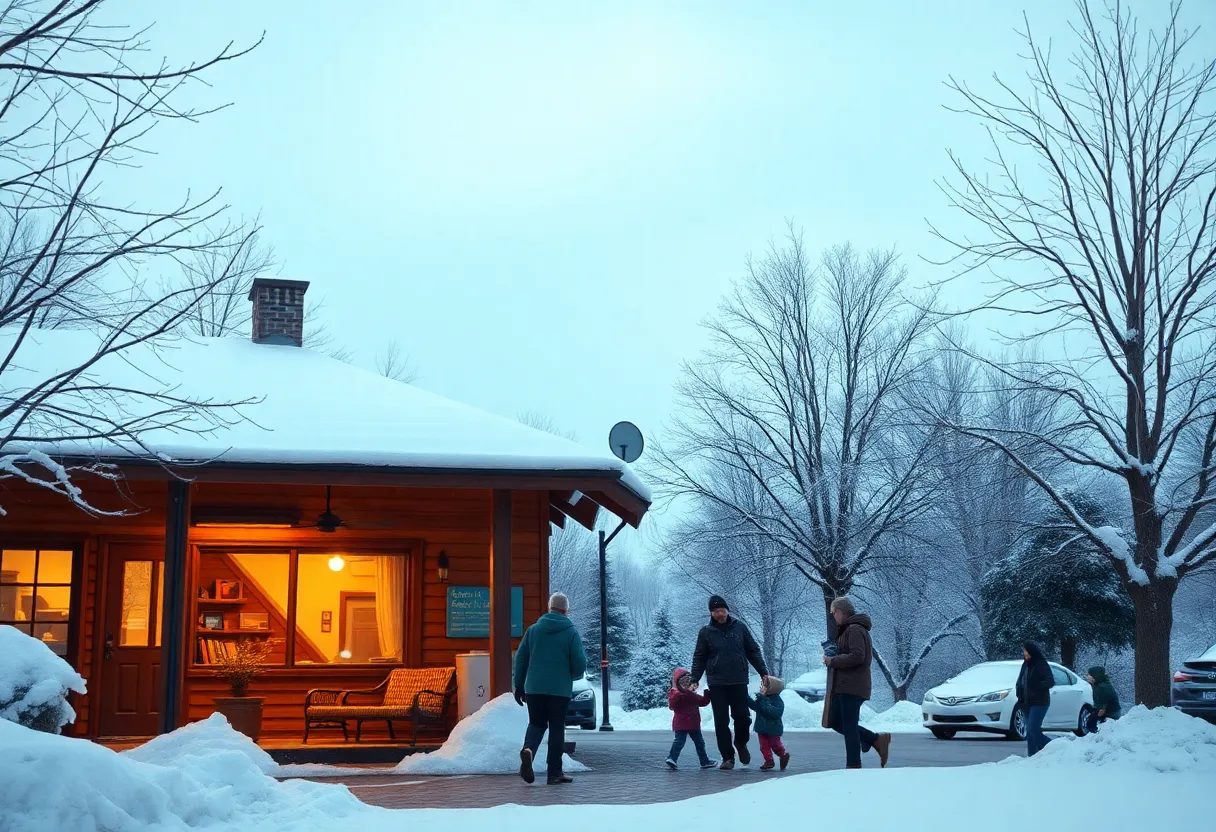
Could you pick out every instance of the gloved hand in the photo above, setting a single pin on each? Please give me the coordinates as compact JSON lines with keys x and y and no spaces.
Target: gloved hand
{"x":520,"y":697}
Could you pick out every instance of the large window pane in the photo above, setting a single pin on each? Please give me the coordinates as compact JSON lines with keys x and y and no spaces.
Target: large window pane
{"x":246,"y":598}
{"x":17,"y":566}
{"x":52,"y":603}
{"x":54,"y":636}
{"x":136,"y":603}
{"x":54,"y":567}
{"x":349,"y":608}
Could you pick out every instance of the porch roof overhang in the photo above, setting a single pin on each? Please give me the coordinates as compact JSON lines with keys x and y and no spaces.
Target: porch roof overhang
{"x":575,"y":494}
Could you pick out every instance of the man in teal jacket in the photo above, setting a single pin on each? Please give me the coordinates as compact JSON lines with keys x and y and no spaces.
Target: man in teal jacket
{"x":549,"y":659}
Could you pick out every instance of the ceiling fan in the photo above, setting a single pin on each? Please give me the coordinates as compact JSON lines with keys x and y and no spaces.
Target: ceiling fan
{"x":329,"y":522}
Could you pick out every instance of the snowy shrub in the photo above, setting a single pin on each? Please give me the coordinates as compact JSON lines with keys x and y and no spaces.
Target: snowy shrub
{"x":34,"y":683}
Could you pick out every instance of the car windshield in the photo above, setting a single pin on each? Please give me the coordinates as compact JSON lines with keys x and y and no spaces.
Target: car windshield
{"x":988,"y":676}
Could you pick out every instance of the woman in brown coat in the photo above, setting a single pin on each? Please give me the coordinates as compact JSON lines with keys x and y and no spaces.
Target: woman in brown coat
{"x":849,"y":685}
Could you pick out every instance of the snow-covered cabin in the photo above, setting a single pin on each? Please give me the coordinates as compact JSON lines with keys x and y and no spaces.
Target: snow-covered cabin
{"x":355,"y":522}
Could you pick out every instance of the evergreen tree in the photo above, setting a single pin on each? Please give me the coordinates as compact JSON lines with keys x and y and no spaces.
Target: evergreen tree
{"x":620,"y":632}
{"x":1058,"y":591}
{"x":650,"y":676}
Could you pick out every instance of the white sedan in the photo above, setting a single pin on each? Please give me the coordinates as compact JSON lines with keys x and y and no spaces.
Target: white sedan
{"x":982,"y":698}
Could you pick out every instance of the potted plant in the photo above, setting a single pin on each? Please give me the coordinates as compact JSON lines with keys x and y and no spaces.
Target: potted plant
{"x":244,"y":712}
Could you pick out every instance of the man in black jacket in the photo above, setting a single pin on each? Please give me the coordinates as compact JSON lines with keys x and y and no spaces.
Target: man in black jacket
{"x":725,"y":648}
{"x":1033,"y":690}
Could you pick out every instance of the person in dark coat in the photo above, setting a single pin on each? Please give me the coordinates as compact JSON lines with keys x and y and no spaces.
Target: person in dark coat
{"x":686,"y":705}
{"x":849,"y":685}
{"x":725,"y":648}
{"x":550,"y":657}
{"x":1106,"y":701}
{"x":1034,"y":695}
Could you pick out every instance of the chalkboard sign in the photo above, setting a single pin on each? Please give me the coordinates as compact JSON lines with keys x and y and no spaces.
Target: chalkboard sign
{"x":469,"y":611}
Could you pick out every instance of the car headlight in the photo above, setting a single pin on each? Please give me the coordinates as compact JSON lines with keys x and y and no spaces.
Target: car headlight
{"x":930,"y":697}
{"x":583,"y":696}
{"x":995,"y":696}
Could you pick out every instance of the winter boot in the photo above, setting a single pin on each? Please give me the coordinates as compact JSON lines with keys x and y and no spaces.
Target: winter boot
{"x":727,"y":764}
{"x":882,"y":744}
{"x":785,"y":760}
{"x":767,"y":765}
{"x":745,"y":756}
{"x":525,"y":766}
{"x":560,"y":780}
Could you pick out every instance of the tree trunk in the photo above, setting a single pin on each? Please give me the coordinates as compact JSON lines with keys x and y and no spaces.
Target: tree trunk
{"x":1068,"y":653}
{"x":900,"y":693}
{"x":768,"y":619}
{"x":1154,"y":605}
{"x":828,"y":597}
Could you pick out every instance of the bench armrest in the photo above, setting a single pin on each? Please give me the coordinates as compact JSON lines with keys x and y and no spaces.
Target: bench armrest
{"x":325,"y":697}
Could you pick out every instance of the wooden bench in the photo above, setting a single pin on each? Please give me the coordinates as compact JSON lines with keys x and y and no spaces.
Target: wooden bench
{"x":422,"y":696}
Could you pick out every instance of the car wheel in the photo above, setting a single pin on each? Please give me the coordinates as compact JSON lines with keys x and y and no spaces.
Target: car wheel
{"x":588,"y":726}
{"x":943,"y":733}
{"x":1083,"y":721}
{"x":1017,"y":725}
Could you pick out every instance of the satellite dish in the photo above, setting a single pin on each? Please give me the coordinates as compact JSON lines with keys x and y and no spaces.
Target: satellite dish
{"x":625,"y":440}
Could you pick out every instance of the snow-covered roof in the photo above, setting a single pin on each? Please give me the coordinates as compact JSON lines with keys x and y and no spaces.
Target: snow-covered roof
{"x":310,"y":409}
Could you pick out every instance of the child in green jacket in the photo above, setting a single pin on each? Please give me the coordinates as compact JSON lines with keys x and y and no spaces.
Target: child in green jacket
{"x":769,"y":708}
{"x":1106,"y":701}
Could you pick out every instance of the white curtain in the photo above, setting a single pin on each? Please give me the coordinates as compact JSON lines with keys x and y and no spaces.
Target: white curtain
{"x":390,"y":605}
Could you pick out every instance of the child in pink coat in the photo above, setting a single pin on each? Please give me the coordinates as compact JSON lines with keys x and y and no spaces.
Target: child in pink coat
{"x":686,"y":703}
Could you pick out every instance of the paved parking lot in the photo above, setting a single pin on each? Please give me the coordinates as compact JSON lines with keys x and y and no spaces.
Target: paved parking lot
{"x":628,"y":768}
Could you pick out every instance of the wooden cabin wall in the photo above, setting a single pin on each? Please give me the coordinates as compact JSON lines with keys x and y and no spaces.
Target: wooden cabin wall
{"x":456,"y":521}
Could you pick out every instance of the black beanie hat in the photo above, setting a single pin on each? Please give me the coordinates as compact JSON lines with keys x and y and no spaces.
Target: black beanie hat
{"x":717,"y":602}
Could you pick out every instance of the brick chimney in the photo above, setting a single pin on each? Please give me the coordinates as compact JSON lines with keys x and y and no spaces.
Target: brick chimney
{"x":278,"y":311}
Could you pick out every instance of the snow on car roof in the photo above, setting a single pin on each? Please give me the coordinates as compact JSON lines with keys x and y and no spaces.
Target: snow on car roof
{"x":307,"y":408}
{"x":1209,"y":656}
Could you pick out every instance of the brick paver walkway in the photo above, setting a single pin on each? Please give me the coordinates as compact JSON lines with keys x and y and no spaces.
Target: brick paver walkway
{"x":628,"y":768}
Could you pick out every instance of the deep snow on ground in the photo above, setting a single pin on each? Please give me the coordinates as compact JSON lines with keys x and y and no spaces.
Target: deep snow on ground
{"x":48,"y":782}
{"x":487,"y":742}
{"x":1162,"y":740}
{"x":33,"y":679}
{"x":800,"y":715}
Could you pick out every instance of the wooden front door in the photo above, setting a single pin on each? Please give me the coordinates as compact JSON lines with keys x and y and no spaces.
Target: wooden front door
{"x":130,"y":675}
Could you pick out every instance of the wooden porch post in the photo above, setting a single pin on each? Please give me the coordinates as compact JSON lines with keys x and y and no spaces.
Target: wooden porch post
{"x":500,"y":593}
{"x":173,"y":604}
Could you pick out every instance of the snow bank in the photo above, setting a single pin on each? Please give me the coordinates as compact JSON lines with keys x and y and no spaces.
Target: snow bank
{"x":212,"y":735}
{"x":1161,"y":739}
{"x":34,"y":683}
{"x":800,"y":715}
{"x":487,"y":742}
{"x":61,"y":783}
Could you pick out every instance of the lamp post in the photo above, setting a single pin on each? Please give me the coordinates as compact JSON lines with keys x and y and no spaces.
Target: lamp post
{"x":625,"y":441}
{"x":606,"y":722}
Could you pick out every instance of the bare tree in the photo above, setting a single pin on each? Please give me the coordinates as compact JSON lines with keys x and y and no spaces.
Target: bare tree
{"x":643,"y":588}
{"x":76,"y":107}
{"x":394,"y":364}
{"x":1101,"y":197}
{"x":721,"y":554}
{"x":801,"y":393}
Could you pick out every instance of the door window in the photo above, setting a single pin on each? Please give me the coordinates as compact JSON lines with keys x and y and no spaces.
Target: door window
{"x":1061,"y":677}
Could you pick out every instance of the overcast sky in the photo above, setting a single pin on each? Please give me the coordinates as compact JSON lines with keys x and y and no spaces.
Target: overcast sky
{"x":541,"y":204}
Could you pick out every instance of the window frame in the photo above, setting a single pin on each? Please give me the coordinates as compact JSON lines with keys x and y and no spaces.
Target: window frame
{"x":75,"y":605}
{"x":411,"y":554}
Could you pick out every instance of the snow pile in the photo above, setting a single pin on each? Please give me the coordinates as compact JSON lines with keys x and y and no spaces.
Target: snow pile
{"x":1161,"y":739}
{"x":34,"y":683}
{"x":53,"y":782}
{"x":487,"y":742}
{"x":212,"y":735}
{"x":800,"y":715}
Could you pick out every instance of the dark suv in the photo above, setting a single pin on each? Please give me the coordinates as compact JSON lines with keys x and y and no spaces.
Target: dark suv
{"x":1194,"y":690}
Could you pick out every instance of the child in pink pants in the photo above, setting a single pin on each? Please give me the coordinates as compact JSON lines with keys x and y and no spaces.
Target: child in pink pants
{"x":769,"y":709}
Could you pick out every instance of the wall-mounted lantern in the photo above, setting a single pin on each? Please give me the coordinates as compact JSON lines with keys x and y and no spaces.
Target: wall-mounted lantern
{"x":443,"y":566}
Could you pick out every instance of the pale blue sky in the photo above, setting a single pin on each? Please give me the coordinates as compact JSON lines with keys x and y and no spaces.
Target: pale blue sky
{"x":541,"y":202}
